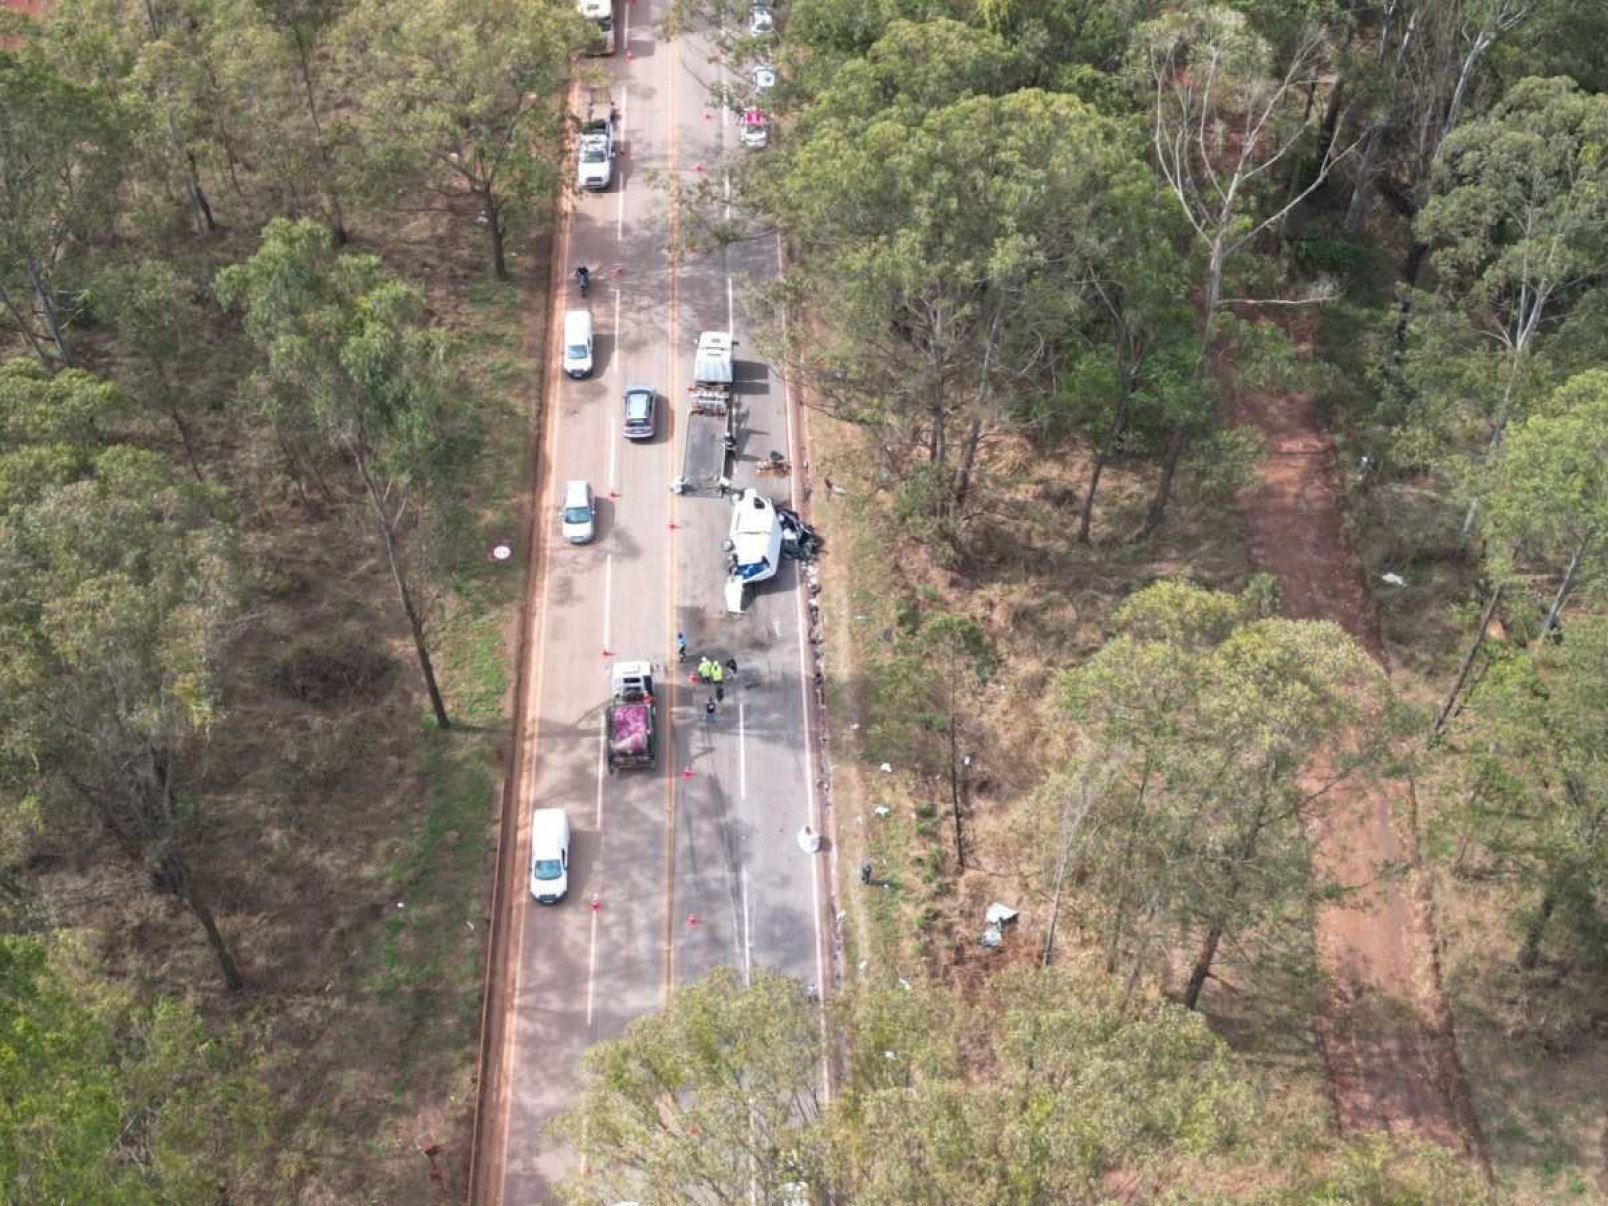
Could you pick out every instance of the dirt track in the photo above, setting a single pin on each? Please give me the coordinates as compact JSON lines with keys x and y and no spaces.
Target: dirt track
{"x":1386,"y":1035}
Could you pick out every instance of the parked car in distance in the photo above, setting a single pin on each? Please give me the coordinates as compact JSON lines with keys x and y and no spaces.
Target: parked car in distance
{"x":549,"y":855}
{"x":761,"y":21}
{"x":764,"y":76}
{"x":579,"y":515}
{"x":640,"y":408}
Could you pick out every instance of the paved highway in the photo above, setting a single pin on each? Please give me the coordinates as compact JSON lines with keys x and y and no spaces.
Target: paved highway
{"x":694,"y":864}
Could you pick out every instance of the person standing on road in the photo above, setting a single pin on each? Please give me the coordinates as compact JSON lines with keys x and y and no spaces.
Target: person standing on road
{"x":584,"y":276}
{"x":709,"y":709}
{"x":717,"y":675}
{"x":731,"y":667}
{"x":681,"y":647}
{"x":705,"y":666}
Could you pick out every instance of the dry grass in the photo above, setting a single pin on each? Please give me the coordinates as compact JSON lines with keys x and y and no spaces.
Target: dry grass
{"x":1045,"y":601}
{"x":346,"y":841}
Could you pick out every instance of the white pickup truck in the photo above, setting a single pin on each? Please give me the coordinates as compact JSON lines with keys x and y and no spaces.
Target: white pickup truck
{"x":594,"y":168}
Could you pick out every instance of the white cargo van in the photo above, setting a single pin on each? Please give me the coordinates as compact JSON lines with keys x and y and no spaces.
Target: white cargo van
{"x":578,"y":343}
{"x":549,"y":855}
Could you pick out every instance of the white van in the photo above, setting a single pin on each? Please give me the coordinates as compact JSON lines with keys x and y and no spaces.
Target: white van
{"x":549,"y":855}
{"x":578,"y":343}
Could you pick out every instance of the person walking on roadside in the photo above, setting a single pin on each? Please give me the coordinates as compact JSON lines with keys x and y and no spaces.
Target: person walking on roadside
{"x":681,"y":647}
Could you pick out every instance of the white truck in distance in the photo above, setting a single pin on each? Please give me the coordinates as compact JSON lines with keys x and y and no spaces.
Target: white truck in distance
{"x":601,"y":14}
{"x":711,"y":367}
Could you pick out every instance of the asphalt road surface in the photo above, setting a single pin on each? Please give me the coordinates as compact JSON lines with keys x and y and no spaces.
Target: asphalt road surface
{"x":694,"y":864}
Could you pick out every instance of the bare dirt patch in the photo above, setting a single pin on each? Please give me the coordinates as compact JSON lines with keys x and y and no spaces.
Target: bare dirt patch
{"x":1386,"y":1031}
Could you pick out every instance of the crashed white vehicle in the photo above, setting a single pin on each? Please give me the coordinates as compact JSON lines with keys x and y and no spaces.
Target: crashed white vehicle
{"x":761,"y":535}
{"x":753,"y":546}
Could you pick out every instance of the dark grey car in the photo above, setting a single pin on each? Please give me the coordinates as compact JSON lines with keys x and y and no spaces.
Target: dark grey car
{"x":640,"y":408}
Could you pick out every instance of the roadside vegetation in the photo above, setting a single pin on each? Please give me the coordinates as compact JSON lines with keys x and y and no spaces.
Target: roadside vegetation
{"x":269,"y":292}
{"x":1039,"y":257}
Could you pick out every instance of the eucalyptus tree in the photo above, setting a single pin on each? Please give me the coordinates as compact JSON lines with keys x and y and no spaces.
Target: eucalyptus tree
{"x":162,"y":333}
{"x":1218,"y":738}
{"x":708,"y":1100}
{"x":926,"y":701}
{"x":471,"y":92}
{"x":1416,"y":70}
{"x":111,"y":1100}
{"x":116,"y":596}
{"x":952,"y":247}
{"x":1547,"y":491}
{"x":59,"y":163}
{"x":158,"y":59}
{"x":1037,"y":1089}
{"x":291,"y":44}
{"x":349,"y":363}
{"x":1529,"y":794}
{"x":1519,"y":226}
{"x":1224,"y":116}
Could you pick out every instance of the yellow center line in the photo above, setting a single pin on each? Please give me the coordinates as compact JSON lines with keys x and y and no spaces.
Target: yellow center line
{"x":534,"y":645}
{"x":672,"y":335}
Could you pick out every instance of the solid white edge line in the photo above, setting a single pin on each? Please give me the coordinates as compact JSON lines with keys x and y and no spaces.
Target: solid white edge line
{"x":619,"y":219}
{"x":742,"y":751}
{"x":812,"y":809}
{"x":608,"y":596}
{"x":731,"y":307}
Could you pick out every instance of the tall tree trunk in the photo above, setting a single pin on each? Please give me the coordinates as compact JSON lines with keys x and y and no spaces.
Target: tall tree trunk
{"x":1357,"y":207}
{"x":968,"y":459}
{"x":1449,"y":708}
{"x":1203,"y":965}
{"x":1566,"y":582}
{"x":1503,"y":410}
{"x":198,"y":196}
{"x":410,"y":608}
{"x":337,"y":217}
{"x":494,"y":223}
{"x":1108,"y":446}
{"x":175,"y":873}
{"x":1404,"y":307}
{"x":180,"y":422}
{"x":47,"y":308}
{"x":1331,"y":116}
{"x":1530,"y":952}
{"x":1176,"y":442}
{"x":954,"y":781}
{"x":416,"y":627}
{"x":25,"y":325}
